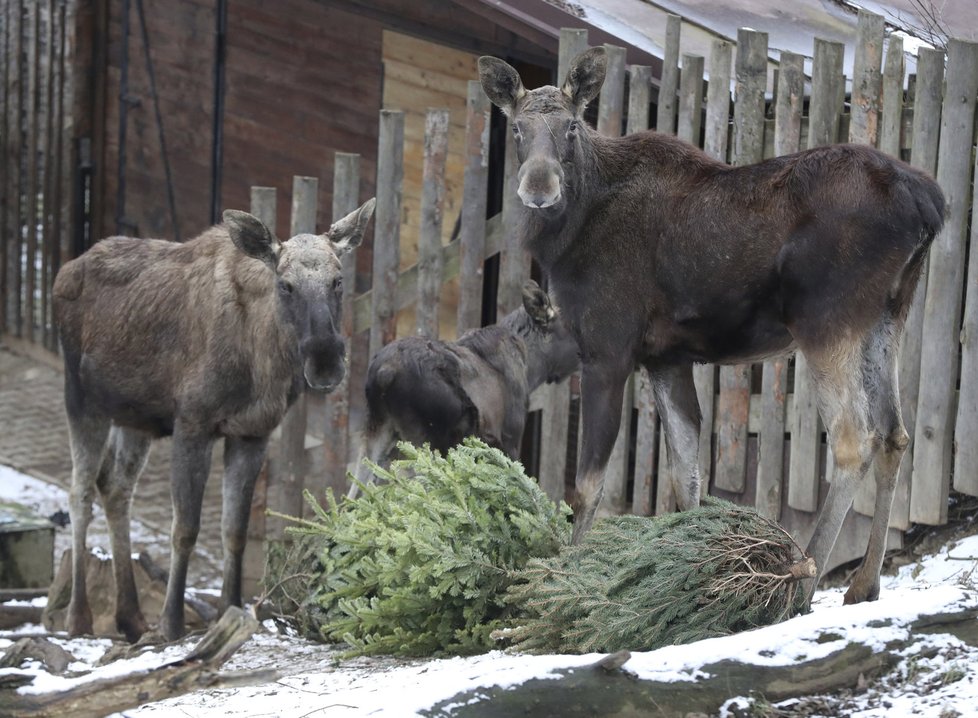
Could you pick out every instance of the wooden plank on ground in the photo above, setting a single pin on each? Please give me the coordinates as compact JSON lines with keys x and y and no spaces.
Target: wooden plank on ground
{"x":925,"y":133}
{"x":748,"y":147}
{"x":387,"y":228}
{"x":942,"y":308}
{"x":774,"y":374}
{"x":666,"y":110}
{"x":432,"y":214}
{"x":806,"y":432}
{"x":473,"y":232}
{"x":867,"y":79}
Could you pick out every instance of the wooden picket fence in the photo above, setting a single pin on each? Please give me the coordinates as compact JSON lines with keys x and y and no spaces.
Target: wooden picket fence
{"x":765,"y":444}
{"x":762,"y":443}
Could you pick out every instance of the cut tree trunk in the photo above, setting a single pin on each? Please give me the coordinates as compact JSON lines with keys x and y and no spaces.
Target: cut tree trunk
{"x":605,"y":690}
{"x":196,"y":671}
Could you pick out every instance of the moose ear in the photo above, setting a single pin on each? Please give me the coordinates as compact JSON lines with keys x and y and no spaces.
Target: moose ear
{"x":501,"y":83}
{"x":251,"y":236}
{"x":537,"y":304}
{"x":585,"y":77}
{"x":347,"y":233}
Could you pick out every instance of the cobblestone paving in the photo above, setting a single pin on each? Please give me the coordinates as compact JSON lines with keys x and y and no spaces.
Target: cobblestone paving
{"x":34,"y":440}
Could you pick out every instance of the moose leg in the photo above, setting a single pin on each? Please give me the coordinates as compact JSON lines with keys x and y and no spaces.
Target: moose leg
{"x":679,"y":409}
{"x":378,"y":444}
{"x":87,"y":435}
{"x":123,"y":463}
{"x":843,"y":404}
{"x":881,"y":379}
{"x":601,"y":398}
{"x":243,"y":457}
{"x":189,"y":468}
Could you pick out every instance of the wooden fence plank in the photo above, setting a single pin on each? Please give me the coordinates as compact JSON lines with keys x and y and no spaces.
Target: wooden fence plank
{"x":891,"y":118}
{"x":942,"y":308}
{"x":646,"y":443}
{"x":4,"y":164}
{"x":337,"y":446}
{"x":287,"y":479}
{"x":15,"y":48}
{"x":610,"y":110}
{"x":639,"y":86}
{"x":573,"y":42}
{"x":774,"y":374}
{"x":966,"y":425}
{"x":748,"y":147}
{"x":611,"y":103}
{"x":690,"y":117}
{"x":31,"y":100}
{"x":928,"y":95}
{"x":387,"y":228}
{"x":432,"y":211}
{"x":806,"y":432}
{"x":514,"y":260}
{"x":866,"y":79}
{"x":49,"y":128}
{"x":714,"y":144}
{"x":473,"y":232}
{"x":666,"y":110}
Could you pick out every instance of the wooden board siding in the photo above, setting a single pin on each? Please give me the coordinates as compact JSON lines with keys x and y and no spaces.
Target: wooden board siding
{"x":418,"y":75}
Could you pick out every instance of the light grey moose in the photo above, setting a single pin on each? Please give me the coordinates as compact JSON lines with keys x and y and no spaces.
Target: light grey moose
{"x":660,"y":256}
{"x":427,"y":391}
{"x":213,"y":338}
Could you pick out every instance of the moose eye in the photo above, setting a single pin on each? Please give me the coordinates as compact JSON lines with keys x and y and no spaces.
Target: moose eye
{"x":517,"y":133}
{"x":338,"y":284}
{"x":285,"y":286}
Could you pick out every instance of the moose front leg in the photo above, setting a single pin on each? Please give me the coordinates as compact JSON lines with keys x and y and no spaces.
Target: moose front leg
{"x":243,"y":458}
{"x":679,"y":409}
{"x":191,"y":463}
{"x":601,"y":398}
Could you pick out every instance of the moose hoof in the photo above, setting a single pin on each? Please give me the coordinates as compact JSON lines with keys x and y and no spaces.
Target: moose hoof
{"x":859,"y":592}
{"x":80,"y":621}
{"x":132,"y":627}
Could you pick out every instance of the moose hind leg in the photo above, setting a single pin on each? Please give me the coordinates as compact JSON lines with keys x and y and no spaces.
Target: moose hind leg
{"x":843,"y":404}
{"x":679,"y":409}
{"x":190,"y":465}
{"x":881,"y":379}
{"x":87,"y":436}
{"x":243,"y":457}
{"x":124,"y":461}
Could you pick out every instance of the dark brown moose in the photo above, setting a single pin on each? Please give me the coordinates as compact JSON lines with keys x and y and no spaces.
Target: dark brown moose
{"x":428,"y":391}
{"x":660,"y":256}
{"x":212,"y":338}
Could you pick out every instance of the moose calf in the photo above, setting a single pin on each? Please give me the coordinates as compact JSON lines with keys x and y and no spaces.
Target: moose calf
{"x":212,"y":338}
{"x":423,"y":390}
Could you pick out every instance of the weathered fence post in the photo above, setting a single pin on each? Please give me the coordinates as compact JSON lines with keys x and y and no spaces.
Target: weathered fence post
{"x":929,"y":93}
{"x":263,"y":206}
{"x":31,"y":117}
{"x":555,"y":398}
{"x":610,"y":108}
{"x":806,"y":435}
{"x":514,"y":260}
{"x":748,"y":147}
{"x":866,"y":79}
{"x":942,"y":309}
{"x":14,"y":54}
{"x":387,"y":229}
{"x":666,"y":104}
{"x":639,"y":86}
{"x":774,"y":374}
{"x":337,"y":444}
{"x":691,"y":99}
{"x":432,"y":213}
{"x":966,"y":425}
{"x":472,"y":250}
{"x":891,"y":120}
{"x":287,"y":479}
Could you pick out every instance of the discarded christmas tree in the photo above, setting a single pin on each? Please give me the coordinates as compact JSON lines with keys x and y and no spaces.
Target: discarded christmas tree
{"x":640,"y":583}
{"x":419,"y":563}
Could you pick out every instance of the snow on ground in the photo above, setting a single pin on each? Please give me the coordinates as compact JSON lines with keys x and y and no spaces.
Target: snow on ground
{"x":937,"y":678}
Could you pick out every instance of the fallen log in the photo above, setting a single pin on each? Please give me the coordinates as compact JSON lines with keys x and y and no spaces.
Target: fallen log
{"x":197,"y":670}
{"x":601,"y":689}
{"x":18,"y":615}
